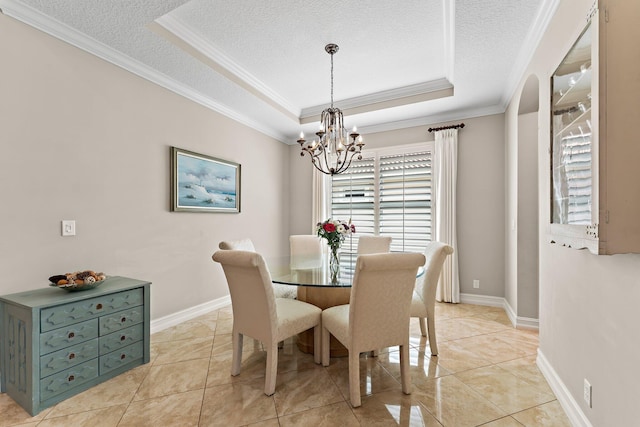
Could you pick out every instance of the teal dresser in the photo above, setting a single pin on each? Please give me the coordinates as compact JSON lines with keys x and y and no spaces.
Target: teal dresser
{"x":55,"y":344}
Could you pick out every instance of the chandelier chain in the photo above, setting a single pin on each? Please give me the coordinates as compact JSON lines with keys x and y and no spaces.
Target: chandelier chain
{"x":332,"y":80}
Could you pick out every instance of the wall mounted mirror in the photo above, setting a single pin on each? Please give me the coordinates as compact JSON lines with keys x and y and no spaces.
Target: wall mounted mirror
{"x":572,"y":136}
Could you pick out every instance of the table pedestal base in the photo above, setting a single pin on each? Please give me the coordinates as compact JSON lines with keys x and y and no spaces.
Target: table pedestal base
{"x":323,"y":298}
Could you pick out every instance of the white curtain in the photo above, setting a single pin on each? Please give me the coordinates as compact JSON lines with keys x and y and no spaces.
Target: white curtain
{"x":320,"y":197}
{"x":445,"y":170}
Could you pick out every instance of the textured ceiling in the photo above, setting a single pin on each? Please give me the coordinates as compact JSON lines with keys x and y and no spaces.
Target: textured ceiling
{"x":263,"y":63}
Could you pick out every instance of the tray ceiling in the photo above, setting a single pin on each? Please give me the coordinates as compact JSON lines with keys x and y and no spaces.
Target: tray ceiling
{"x":263,"y":64}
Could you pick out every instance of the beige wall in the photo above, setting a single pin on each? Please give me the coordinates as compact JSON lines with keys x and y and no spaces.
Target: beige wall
{"x":527,"y":223}
{"x":480,"y":197}
{"x":82,"y":139}
{"x":588,"y":303}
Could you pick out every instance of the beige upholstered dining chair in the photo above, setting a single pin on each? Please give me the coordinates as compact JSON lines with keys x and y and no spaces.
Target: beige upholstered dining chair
{"x":280,"y":291}
{"x":237,"y":245}
{"x":377,"y":315}
{"x":424,"y":296}
{"x":258,"y":314}
{"x":374,"y":244}
{"x":305,"y":251}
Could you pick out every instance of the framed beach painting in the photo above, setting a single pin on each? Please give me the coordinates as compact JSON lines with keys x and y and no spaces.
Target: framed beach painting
{"x":200,"y":183}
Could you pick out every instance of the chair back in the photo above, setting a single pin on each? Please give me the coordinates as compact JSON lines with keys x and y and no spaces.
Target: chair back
{"x":305,"y":251}
{"x":237,"y":245}
{"x":252,"y":299}
{"x":381,"y":299}
{"x":435,"y":253}
{"x":374,"y":245}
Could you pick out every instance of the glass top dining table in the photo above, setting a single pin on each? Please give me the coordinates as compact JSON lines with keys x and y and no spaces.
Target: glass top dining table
{"x":311,"y":273}
{"x":314,"y":273}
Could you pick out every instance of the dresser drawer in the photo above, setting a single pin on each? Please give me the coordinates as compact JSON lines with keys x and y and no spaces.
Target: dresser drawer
{"x":122,"y":338}
{"x":68,"y":357}
{"x":121,"y":320}
{"x":75,"y":312}
{"x":70,"y":335}
{"x":125,"y":355}
{"x":68,"y":379}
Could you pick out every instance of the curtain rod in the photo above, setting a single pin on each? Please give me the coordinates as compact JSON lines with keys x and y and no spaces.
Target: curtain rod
{"x":461,"y":125}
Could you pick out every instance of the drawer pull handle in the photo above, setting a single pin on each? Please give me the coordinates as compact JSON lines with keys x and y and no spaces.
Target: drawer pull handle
{"x":72,"y":356}
{"x":71,"y":378}
{"x":122,"y":338}
{"x":71,"y":335}
{"x":124,"y":319}
{"x":122,"y":356}
{"x":99,"y":306}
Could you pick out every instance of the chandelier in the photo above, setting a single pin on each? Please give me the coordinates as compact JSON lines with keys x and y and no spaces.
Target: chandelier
{"x":334,"y":148}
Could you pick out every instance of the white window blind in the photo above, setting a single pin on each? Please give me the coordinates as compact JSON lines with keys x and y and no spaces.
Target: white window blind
{"x":576,"y":161}
{"x":353,"y":196}
{"x":405,"y":200}
{"x":388,"y":193}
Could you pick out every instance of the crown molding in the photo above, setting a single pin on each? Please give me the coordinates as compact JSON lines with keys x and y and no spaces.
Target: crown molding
{"x":540,"y":23}
{"x":69,"y":35}
{"x":434,"y":118}
{"x":193,"y":44}
{"x":419,"y":92}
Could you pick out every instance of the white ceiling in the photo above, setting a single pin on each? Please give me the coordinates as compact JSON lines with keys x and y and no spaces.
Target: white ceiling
{"x":263,"y":63}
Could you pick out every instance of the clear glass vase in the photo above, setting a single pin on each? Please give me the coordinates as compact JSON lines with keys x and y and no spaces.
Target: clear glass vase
{"x":334,"y":264}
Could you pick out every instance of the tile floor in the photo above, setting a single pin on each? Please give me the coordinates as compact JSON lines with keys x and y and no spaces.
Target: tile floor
{"x":484,"y":375}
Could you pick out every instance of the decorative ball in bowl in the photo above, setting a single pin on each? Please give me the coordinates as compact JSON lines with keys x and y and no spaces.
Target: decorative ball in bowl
{"x":78,"y":281}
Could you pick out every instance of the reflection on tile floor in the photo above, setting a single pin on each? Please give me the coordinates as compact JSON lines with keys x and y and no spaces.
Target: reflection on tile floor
{"x":485,"y":375}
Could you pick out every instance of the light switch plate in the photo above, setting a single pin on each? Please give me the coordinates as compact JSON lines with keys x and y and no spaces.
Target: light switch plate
{"x":68,"y":227}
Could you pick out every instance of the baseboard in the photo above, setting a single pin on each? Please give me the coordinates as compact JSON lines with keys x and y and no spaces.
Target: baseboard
{"x":165,"y":322}
{"x":527,"y":323}
{"x":482,"y":300}
{"x":511,"y":313}
{"x":517,"y":322}
{"x":568,"y":403}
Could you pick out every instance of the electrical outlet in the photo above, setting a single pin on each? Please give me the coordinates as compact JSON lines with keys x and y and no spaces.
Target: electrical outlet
{"x":476,"y":284}
{"x":68,"y":227}
{"x":587,"y":392}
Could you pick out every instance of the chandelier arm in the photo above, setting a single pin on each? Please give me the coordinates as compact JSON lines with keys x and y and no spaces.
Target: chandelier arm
{"x":317,"y":161}
{"x":327,"y":162}
{"x":350,"y":160}
{"x":346,"y":163}
{"x":319,"y":168}
{"x":326,"y":137}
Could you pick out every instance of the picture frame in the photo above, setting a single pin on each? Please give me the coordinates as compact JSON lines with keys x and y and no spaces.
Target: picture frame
{"x":201,"y":183}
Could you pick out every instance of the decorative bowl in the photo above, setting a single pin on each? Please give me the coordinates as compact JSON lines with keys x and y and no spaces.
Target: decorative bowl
{"x":75,"y":288}
{"x":78,"y":281}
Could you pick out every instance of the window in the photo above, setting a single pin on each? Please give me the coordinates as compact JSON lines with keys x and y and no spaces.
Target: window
{"x":387,"y":193}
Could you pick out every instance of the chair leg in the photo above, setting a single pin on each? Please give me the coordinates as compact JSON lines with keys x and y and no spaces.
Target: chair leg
{"x":423,"y":328}
{"x":325,"y":346}
{"x":405,"y":375}
{"x":272,"y":369}
{"x":433,"y":343}
{"x":354,"y":378}
{"x":317,"y":343}
{"x":236,"y":339}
